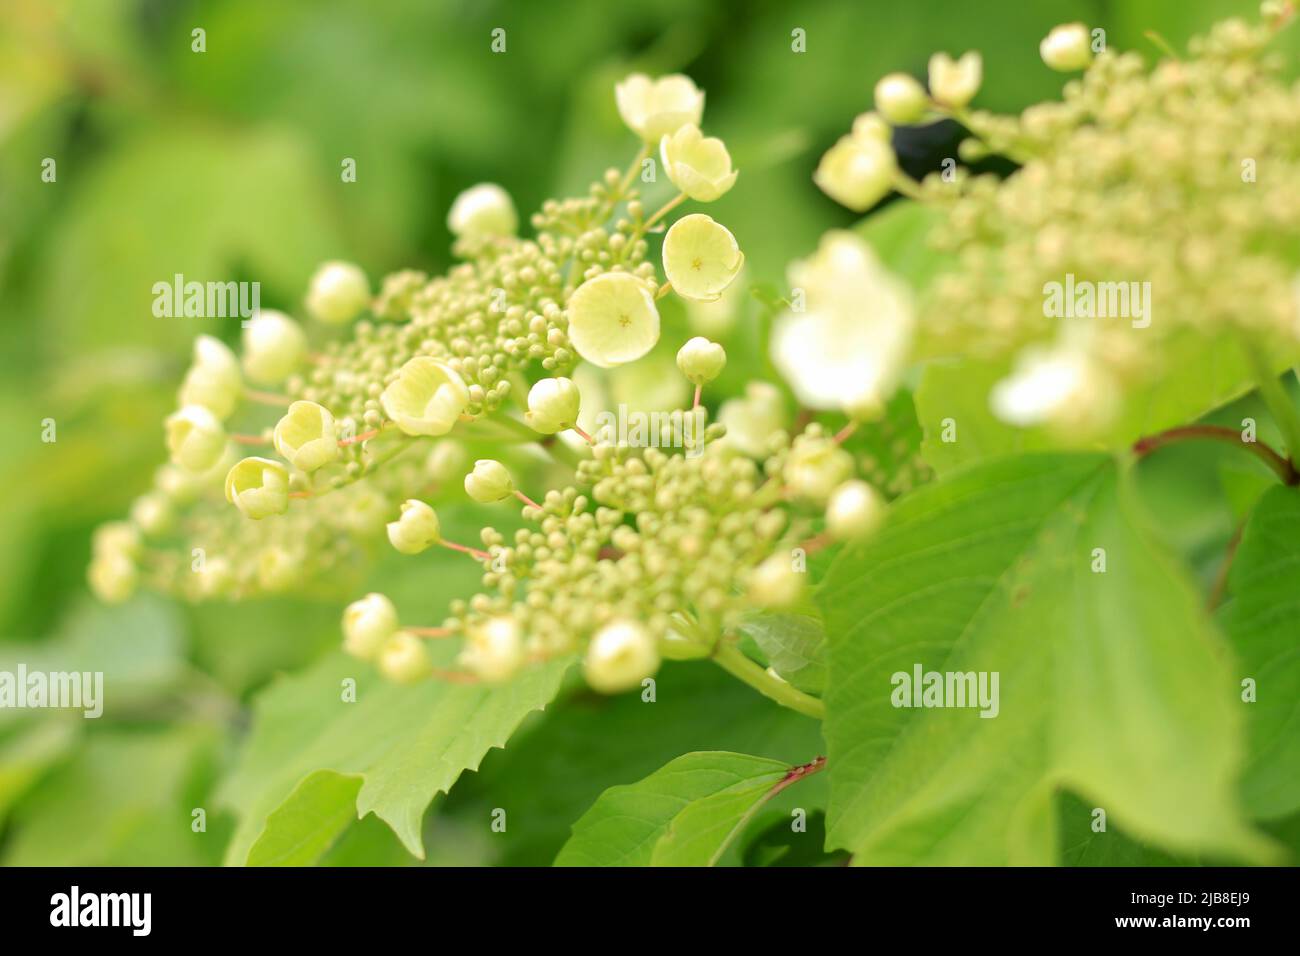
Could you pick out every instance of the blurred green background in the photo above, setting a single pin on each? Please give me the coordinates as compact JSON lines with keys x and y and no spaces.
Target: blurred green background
{"x":225,"y":165}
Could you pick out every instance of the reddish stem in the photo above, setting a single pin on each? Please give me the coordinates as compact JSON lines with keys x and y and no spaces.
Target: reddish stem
{"x":472,"y":552}
{"x":248,"y":439}
{"x":843,"y":434}
{"x":526,"y":500}
{"x":1283,"y":467}
{"x":267,"y":398}
{"x":364,"y":436}
{"x":587,"y":438}
{"x":430,"y":632}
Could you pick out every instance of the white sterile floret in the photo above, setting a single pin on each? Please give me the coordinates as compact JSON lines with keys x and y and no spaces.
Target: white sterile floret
{"x":954,"y":83}
{"x":855,"y":331}
{"x":403,"y":659}
{"x":698,"y":165}
{"x":426,"y":398}
{"x":613,"y":319}
{"x":775,"y":583}
{"x":553,"y":405}
{"x":753,"y":419}
{"x":259,"y":487}
{"x":701,"y":257}
{"x":305,"y":436}
{"x":196,"y":439}
{"x":367,"y":624}
{"x":656,"y":108}
{"x":858,"y":171}
{"x":1060,"y":386}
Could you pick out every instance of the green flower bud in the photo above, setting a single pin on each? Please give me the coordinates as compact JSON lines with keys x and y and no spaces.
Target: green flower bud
{"x":855,"y":510}
{"x":338,"y":293}
{"x":857,"y":171}
{"x":901,"y":99}
{"x":274,"y":346}
{"x":483,"y":210}
{"x":258,"y":487}
{"x":553,"y":405}
{"x":489,"y":481}
{"x":416,"y":529}
{"x":367,"y":624}
{"x":700,"y":360}
{"x":426,"y":398}
{"x":403,"y":659}
{"x":196,"y":439}
{"x":620,"y":656}
{"x":305,"y":436}
{"x":213,"y":379}
{"x":494,"y":649}
{"x":1067,"y":48}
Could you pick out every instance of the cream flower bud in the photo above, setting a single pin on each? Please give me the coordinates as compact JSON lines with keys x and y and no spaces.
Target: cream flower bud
{"x":701,"y":257}
{"x":901,"y":99}
{"x":216,"y":579}
{"x":1067,"y":48}
{"x":494,"y":649}
{"x":869,"y":126}
{"x":483,"y":210}
{"x":277,"y":569}
{"x":426,"y":398}
{"x":775,"y":583}
{"x":195,"y":438}
{"x":857,"y":172}
{"x":416,"y":529}
{"x":613,"y":319}
{"x":753,"y":419}
{"x":112,"y":577}
{"x":698,"y":165}
{"x":654,"y":109}
{"x":815,"y":466}
{"x":489,"y":481}
{"x":274,"y":347}
{"x":338,"y":293}
{"x":305,"y":436}
{"x":153,"y":513}
{"x":955,"y":83}
{"x":855,"y":510}
{"x":367,"y":624}
{"x":553,"y":405}
{"x":403,"y":659}
{"x":259,"y":487}
{"x":446,"y":460}
{"x":620,"y":656}
{"x":700,"y":360}
{"x":116,"y":538}
{"x":213,"y":379}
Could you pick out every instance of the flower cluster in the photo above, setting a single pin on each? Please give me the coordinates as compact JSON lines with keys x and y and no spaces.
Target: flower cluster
{"x":1138,"y":182}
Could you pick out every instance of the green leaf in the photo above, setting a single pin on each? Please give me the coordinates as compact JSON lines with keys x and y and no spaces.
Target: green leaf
{"x":1260,"y":621}
{"x":684,"y":814}
{"x":900,"y":235}
{"x":406,"y":743}
{"x":794,"y":645}
{"x":1112,"y":685}
{"x":305,"y":826}
{"x":558,"y":766}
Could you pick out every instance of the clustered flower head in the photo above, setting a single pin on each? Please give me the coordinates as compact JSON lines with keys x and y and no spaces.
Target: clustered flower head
{"x":288,"y":457}
{"x":1140,"y":174}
